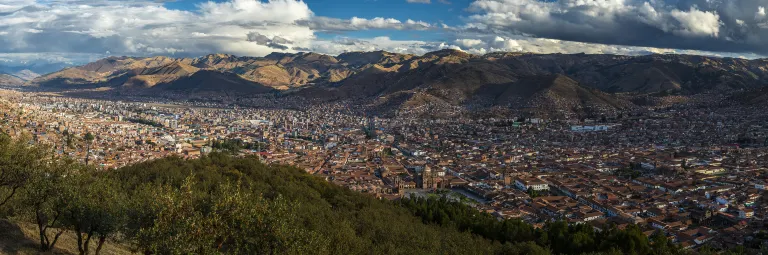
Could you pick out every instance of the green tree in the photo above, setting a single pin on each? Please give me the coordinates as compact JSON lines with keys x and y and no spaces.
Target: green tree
{"x":661,"y":245}
{"x":532,"y":192}
{"x":738,"y":250}
{"x":18,"y":160}
{"x":68,"y":141}
{"x":43,"y":201}
{"x":88,"y":141}
{"x":706,"y":250}
{"x":94,"y":209}
{"x":523,"y":248}
{"x":178,"y":226}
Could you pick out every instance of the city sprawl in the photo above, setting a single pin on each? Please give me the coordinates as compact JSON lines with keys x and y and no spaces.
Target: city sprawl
{"x":696,"y":173}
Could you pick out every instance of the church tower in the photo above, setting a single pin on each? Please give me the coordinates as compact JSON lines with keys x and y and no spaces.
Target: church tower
{"x":428,"y":178}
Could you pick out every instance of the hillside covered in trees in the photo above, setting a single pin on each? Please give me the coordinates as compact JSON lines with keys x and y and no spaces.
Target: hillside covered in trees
{"x":221,"y":204}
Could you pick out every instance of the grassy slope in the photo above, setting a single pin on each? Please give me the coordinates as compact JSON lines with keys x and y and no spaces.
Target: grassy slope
{"x":21,"y":238}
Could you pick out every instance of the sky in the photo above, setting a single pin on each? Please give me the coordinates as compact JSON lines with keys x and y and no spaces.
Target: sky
{"x":79,"y":31}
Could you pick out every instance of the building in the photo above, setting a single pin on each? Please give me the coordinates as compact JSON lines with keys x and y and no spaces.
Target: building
{"x":531,"y":183}
{"x":746,"y":213}
{"x":429,"y":179}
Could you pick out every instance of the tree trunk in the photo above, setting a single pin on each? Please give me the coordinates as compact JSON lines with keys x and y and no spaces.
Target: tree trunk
{"x":43,"y":246}
{"x":101,"y":243}
{"x":87,"y":243}
{"x":41,"y":230}
{"x":55,"y":239}
{"x":87,"y":153}
{"x":79,"y":240}
{"x":8,"y":198}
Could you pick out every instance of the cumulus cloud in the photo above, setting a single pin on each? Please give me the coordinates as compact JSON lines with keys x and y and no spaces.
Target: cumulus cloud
{"x":469,"y":43}
{"x":13,"y":5}
{"x":418,"y":1}
{"x":343,"y":44}
{"x":84,"y":30}
{"x":697,"y":23}
{"x":708,"y":25}
{"x":276,"y":42}
{"x":517,"y":43}
{"x":355,"y":23}
{"x":148,"y":28}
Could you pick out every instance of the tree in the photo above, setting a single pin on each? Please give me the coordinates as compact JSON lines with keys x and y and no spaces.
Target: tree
{"x":523,"y":248}
{"x":237,"y":213}
{"x":18,"y":159}
{"x":95,"y":209}
{"x":43,"y":201}
{"x":661,"y":245}
{"x":532,"y":192}
{"x":175,"y":227}
{"x":88,"y":141}
{"x":738,"y":250}
{"x":707,"y":250}
{"x":67,"y":140}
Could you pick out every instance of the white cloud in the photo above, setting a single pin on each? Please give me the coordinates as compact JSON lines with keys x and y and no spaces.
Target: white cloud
{"x":489,"y":43}
{"x":85,"y":29}
{"x":356,"y":23}
{"x":13,"y":5}
{"x":419,"y":1}
{"x":698,"y":23}
{"x":147,"y":27}
{"x":708,"y":25}
{"x":48,"y":58}
{"x":343,"y":44}
{"x":374,"y":23}
{"x":760,"y":14}
{"x":250,"y":12}
{"x":468,"y":43}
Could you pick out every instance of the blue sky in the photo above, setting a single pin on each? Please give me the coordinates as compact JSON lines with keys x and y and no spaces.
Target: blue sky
{"x":448,"y":12}
{"x":77,"y":31}
{"x":399,"y":9}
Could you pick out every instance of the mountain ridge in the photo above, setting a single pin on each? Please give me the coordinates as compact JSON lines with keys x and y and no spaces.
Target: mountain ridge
{"x":445,"y":77}
{"x":17,"y":78}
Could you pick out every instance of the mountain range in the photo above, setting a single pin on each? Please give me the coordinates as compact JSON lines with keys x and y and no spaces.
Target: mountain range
{"x":16,"y":78}
{"x":441,"y":80}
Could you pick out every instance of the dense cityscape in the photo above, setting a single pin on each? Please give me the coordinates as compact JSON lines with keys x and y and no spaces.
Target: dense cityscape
{"x":696,"y":173}
{"x":378,"y":127}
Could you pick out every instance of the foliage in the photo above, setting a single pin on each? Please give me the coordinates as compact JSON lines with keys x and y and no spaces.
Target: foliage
{"x":296,"y":212}
{"x":532,"y":193}
{"x":222,"y":204}
{"x":17,"y":161}
{"x":94,"y":209}
{"x":88,"y":138}
{"x":233,"y":146}
{"x":521,"y":238}
{"x":43,"y":201}
{"x":145,"y":122}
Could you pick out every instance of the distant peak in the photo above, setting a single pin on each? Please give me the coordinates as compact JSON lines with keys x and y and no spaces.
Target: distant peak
{"x":449,"y":52}
{"x":218,"y":56}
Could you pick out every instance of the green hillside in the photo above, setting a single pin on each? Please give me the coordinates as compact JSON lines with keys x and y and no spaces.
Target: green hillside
{"x":217,"y":204}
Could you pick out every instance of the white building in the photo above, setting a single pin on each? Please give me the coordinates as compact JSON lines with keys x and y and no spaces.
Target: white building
{"x":532,"y":183}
